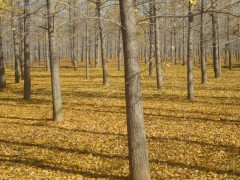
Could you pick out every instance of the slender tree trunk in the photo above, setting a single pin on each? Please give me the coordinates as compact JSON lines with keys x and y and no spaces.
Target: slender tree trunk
{"x":54,"y":64}
{"x":119,"y":51}
{"x":228,"y":44}
{"x":2,"y":65}
{"x":21,"y":44}
{"x":27,"y":61}
{"x":15,"y":46}
{"x":218,"y":46}
{"x":151,"y":40}
{"x":96,"y":41}
{"x":175,"y":47}
{"x":87,"y":45}
{"x":82,"y":53}
{"x":137,"y":146}
{"x":47,"y":61}
{"x":103,"y":49}
{"x":39,"y":52}
{"x":202,"y":48}
{"x":96,"y":52}
{"x":238,"y":42}
{"x":72,"y":15}
{"x":183,"y":44}
{"x":165,"y":38}
{"x":157,"y":49}
{"x":190,"y":55}
{"x":214,"y":34}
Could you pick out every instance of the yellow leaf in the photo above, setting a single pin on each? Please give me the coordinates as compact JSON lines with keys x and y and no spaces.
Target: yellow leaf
{"x":193,"y":2}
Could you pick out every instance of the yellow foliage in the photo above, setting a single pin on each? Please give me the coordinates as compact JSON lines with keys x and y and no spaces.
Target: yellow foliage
{"x":2,"y":4}
{"x":193,"y":2}
{"x":186,"y":140}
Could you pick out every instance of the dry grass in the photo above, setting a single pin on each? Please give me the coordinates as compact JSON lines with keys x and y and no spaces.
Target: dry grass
{"x":187,"y":140}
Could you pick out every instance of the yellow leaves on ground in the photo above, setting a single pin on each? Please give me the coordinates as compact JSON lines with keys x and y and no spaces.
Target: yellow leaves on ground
{"x":186,"y":140}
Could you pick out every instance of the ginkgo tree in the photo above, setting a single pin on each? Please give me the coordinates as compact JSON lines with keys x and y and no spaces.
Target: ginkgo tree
{"x":2,"y":64}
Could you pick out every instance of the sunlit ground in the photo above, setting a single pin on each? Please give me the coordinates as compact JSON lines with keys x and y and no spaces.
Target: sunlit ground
{"x":195,"y":140}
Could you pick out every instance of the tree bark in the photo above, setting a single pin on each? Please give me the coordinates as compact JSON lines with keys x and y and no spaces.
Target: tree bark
{"x":15,"y":46}
{"x":202,"y":50}
{"x":190,"y":54}
{"x":119,"y":51}
{"x":2,"y":65}
{"x":96,"y":47}
{"x":214,"y":34}
{"x":183,"y":40}
{"x":27,"y":61}
{"x":21,"y":45}
{"x":228,"y":44}
{"x":157,"y":49}
{"x":87,"y":45}
{"x":54,"y":65}
{"x":103,"y":49}
{"x":137,"y":146}
{"x":72,"y":27}
{"x":151,"y":40}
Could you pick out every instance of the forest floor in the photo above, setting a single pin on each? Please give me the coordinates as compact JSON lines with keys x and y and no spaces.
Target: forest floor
{"x":186,"y":140}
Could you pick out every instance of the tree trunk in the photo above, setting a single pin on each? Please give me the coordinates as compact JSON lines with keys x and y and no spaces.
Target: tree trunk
{"x":82,"y":53}
{"x":137,"y":146}
{"x":21,"y":45}
{"x":183,"y":41}
{"x":39,"y":53}
{"x":27,"y":61}
{"x":87,"y":45}
{"x":96,"y":47}
{"x":103,"y":49}
{"x":202,"y":48}
{"x":72,"y":27}
{"x":119,"y":51}
{"x":54,"y":64}
{"x":214,"y":34}
{"x":190,"y":55}
{"x":228,"y":44}
{"x":151,"y":40}
{"x":15,"y":46}
{"x":2,"y":65}
{"x":47,"y":65}
{"x":157,"y":49}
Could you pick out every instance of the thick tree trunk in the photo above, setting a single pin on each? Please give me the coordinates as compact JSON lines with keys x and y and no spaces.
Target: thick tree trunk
{"x":157,"y":49}
{"x":103,"y":49}
{"x":137,"y":146}
{"x":27,"y":61}
{"x":2,"y":65}
{"x":54,"y":64}
{"x":190,"y":55}
{"x":202,"y":48}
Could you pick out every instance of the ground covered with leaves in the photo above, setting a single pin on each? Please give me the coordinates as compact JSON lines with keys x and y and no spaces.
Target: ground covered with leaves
{"x":186,"y":140}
